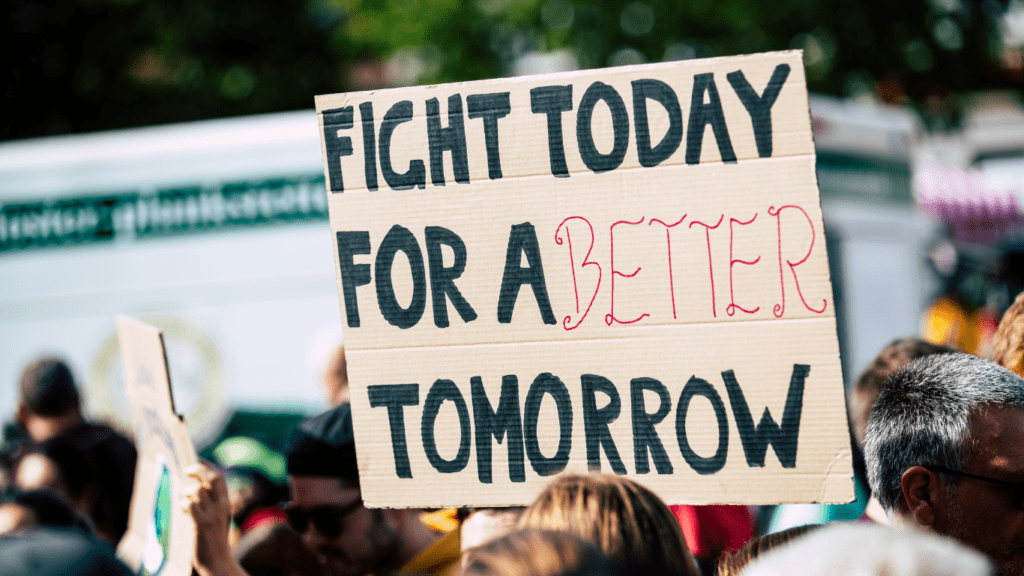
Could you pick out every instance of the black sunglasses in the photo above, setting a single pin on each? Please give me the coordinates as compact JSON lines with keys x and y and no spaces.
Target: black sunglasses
{"x":328,"y":519}
{"x":1016,"y":488}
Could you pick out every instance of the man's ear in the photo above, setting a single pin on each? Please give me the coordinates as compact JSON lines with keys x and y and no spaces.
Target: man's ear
{"x":920,"y":493}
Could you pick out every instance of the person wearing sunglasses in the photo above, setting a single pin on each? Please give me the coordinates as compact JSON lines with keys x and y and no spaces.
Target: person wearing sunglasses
{"x":945,"y":452}
{"x":327,"y":511}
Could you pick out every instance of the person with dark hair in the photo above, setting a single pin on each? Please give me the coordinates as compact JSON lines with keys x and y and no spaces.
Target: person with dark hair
{"x":40,"y":534}
{"x":49,"y":409}
{"x":945,"y":452}
{"x":327,"y":510}
{"x":58,"y":552}
{"x":276,"y":550}
{"x":49,"y":403}
{"x":61,"y":469}
{"x":25,"y":509}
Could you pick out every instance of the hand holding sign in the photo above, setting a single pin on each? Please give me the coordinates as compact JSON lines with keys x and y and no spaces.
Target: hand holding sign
{"x":205,"y":499}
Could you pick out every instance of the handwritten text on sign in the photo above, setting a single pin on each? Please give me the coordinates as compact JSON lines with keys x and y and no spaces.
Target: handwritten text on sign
{"x":601,"y":262}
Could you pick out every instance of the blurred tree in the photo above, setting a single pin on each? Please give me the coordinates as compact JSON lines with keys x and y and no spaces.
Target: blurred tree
{"x":83,"y":65}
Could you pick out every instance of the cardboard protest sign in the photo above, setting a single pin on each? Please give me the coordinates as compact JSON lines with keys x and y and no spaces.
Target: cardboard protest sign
{"x":161,"y":536}
{"x":619,"y":269}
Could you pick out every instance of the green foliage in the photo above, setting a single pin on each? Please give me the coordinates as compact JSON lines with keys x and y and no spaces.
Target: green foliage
{"x":83,"y":65}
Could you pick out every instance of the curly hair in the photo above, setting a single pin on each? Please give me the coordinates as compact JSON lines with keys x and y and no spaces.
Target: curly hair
{"x":1008,"y":343}
{"x":47,"y":387}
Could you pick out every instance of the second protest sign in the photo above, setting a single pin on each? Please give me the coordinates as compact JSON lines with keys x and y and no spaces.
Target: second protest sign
{"x":618,"y":269}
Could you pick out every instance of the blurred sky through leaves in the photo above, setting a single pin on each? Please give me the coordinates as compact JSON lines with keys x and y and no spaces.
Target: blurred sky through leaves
{"x":85,"y":65}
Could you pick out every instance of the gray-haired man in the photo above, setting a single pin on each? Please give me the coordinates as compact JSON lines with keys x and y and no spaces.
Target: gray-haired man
{"x":945,"y":452}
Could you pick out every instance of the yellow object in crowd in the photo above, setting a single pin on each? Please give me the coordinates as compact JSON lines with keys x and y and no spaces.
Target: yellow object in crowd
{"x":946,"y":322}
{"x":444,"y":520}
{"x":440,"y":559}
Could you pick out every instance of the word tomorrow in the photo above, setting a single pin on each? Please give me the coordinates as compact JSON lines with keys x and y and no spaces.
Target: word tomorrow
{"x":517,"y":426}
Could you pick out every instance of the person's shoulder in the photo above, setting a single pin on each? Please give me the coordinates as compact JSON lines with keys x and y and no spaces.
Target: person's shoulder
{"x":104,"y":434}
{"x":97,"y":439}
{"x":99,"y":430}
{"x":57,"y":552}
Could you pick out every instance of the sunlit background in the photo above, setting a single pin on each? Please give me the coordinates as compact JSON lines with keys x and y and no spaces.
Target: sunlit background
{"x":161,"y":159}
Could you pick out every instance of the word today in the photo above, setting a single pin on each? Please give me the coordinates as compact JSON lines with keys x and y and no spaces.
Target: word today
{"x":551,"y":101}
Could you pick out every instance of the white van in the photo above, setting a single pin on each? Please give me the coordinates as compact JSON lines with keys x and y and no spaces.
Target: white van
{"x":878,"y":240}
{"x":215,"y":231}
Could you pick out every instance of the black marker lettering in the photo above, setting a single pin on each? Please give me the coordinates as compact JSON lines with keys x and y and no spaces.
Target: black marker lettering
{"x":505,"y":422}
{"x":697,"y":387}
{"x":596,"y":421}
{"x":336,"y":146}
{"x":664,"y":95}
{"x":645,"y":437}
{"x":594,"y":160}
{"x":547,"y":383}
{"x":400,"y":239}
{"x":369,"y":145}
{"x":352,"y":275}
{"x":553,"y":100}
{"x":442,"y":280}
{"x":490,"y":107}
{"x":452,"y":138}
{"x":701,"y":115}
{"x":445,"y":390}
{"x":760,"y":107}
{"x":416,"y":175}
{"x":782,"y":437}
{"x":523,"y":239}
{"x":395,"y":397}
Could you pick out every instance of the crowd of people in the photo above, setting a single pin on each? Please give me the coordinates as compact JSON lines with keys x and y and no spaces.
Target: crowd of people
{"x":938,"y":438}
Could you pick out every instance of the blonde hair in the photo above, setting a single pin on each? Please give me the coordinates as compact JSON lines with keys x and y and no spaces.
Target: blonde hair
{"x":537,"y":553}
{"x":625,"y":520}
{"x":1008,"y":343}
